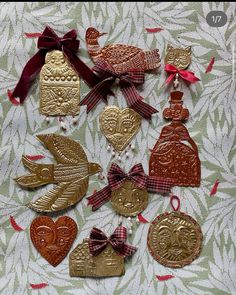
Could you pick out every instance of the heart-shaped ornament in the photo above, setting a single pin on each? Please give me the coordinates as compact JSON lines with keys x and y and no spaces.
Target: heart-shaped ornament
{"x":52,"y":239}
{"x":119,"y":126}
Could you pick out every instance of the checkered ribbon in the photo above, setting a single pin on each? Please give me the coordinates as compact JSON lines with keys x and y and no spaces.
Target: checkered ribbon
{"x":126,"y":82}
{"x":116,"y":177}
{"x":98,"y":241}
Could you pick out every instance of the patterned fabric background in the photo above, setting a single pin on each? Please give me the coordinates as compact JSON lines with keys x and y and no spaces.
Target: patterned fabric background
{"x":212,"y":106}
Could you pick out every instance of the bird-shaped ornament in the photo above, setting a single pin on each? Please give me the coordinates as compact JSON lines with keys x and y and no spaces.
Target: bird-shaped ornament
{"x":70,"y":174}
{"x":122,"y":57}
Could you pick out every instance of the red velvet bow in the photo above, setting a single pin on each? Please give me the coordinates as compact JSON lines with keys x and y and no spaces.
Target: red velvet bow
{"x":116,"y":177}
{"x":98,"y":241}
{"x":48,"y":41}
{"x":186,"y":75}
{"x":126,"y":82}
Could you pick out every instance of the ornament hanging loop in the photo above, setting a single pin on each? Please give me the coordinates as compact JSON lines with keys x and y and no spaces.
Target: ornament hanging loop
{"x":172,"y":198}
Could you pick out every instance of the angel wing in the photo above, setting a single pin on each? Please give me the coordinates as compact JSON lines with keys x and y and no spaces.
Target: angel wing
{"x":64,"y":150}
{"x":61,"y":197}
{"x":119,"y":53}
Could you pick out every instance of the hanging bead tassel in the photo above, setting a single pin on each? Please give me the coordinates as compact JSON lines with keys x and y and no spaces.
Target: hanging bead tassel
{"x":62,"y":123}
{"x":176,"y":81}
{"x":113,"y":154}
{"x":127,"y":154}
{"x":47,"y":119}
{"x":108,"y":148}
{"x":130,"y":231}
{"x":132,"y":147}
{"x":74,"y":120}
{"x":137,"y":220}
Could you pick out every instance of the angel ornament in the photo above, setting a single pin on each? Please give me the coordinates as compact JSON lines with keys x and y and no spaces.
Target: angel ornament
{"x":59,"y":88}
{"x":70,"y":174}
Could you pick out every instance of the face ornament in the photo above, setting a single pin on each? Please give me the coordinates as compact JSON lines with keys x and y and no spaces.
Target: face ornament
{"x":53,"y":240}
{"x":174,"y":239}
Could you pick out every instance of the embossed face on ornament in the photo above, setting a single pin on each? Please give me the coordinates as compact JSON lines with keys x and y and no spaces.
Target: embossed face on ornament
{"x":129,"y":200}
{"x":176,"y":239}
{"x":55,"y":58}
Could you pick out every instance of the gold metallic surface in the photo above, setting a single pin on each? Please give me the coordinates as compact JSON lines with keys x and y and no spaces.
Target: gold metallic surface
{"x":129,"y":200}
{"x":59,"y":86}
{"x":119,"y":126}
{"x":71,"y":174}
{"x":174,"y":239}
{"x":106,"y":264}
{"x":178,"y":57}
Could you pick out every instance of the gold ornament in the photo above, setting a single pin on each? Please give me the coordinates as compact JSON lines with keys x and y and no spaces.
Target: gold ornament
{"x":129,"y":200}
{"x":106,"y":264}
{"x":174,"y":239}
{"x":119,"y":126}
{"x":71,"y":174}
{"x":59,"y":86}
{"x":178,"y":57}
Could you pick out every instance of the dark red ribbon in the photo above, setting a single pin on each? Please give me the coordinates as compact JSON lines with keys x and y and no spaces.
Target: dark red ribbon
{"x":48,"y":41}
{"x":186,"y":75}
{"x":116,"y":177}
{"x":127,"y":83}
{"x":98,"y":241}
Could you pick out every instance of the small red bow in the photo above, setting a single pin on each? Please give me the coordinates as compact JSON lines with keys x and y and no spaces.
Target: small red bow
{"x":126,"y":82}
{"x":186,"y":75}
{"x":48,"y":41}
{"x":116,"y":177}
{"x":98,"y":241}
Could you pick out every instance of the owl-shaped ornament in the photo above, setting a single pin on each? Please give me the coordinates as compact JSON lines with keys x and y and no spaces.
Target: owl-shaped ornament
{"x":177,"y":60}
{"x":119,"y":127}
{"x":59,"y":88}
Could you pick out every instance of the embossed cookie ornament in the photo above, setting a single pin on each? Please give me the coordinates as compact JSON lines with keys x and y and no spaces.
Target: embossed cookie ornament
{"x":52,"y":239}
{"x":101,"y":256}
{"x":59,"y":86}
{"x":174,"y":239}
{"x":119,"y":126}
{"x":175,"y":155}
{"x":71,"y":174}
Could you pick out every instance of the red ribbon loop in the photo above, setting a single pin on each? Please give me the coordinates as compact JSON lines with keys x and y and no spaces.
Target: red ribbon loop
{"x":98,"y":241}
{"x":172,"y":198}
{"x":48,"y":41}
{"x":186,"y":75}
{"x":126,"y":82}
{"x":116,"y":177}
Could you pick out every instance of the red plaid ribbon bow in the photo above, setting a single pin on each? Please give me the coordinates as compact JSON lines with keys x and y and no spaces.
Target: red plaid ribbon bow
{"x":98,"y":241}
{"x":186,"y":75}
{"x":48,"y":41}
{"x":126,"y":82}
{"x":116,"y":177}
